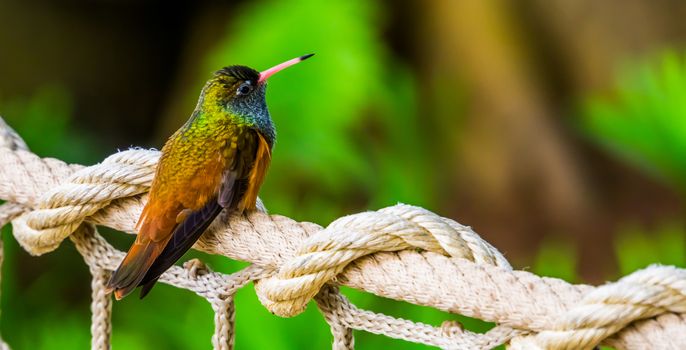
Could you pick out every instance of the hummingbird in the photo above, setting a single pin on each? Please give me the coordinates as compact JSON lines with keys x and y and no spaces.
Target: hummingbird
{"x":216,"y":160}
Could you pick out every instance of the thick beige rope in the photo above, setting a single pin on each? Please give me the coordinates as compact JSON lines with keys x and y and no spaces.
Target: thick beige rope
{"x":325,"y":254}
{"x":63,"y":208}
{"x":401,"y":252}
{"x":609,"y":308}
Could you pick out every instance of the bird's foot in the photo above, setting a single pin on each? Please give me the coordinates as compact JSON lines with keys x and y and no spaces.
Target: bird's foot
{"x":196,"y":268}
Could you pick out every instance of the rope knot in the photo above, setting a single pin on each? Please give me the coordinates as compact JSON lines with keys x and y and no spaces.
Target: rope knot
{"x":64,"y":208}
{"x":326,"y":253}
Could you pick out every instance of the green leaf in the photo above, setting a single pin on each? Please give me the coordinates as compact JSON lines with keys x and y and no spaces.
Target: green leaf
{"x":644,"y":120}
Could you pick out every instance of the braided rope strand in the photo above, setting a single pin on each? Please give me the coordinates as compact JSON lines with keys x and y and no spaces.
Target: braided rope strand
{"x":342,"y":334}
{"x":101,"y":310}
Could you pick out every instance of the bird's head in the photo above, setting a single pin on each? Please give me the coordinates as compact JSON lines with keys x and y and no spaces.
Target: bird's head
{"x":240,"y":91}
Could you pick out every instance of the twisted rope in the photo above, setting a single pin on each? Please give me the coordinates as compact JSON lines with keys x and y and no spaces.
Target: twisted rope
{"x":326,"y":253}
{"x":609,"y":308}
{"x":63,"y":208}
{"x":401,"y":252}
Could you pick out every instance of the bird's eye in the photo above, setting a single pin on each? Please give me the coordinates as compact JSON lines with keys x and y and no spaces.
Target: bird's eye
{"x":244,"y":89}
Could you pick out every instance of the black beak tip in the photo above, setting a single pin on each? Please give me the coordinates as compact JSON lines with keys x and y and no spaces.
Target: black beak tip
{"x":304,"y":57}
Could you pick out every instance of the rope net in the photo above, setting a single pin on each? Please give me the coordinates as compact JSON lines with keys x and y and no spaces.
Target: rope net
{"x":400,"y":252}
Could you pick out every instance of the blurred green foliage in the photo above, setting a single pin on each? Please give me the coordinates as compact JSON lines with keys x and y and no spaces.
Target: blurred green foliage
{"x":556,"y":258}
{"x":644,"y":121}
{"x":44,"y":121}
{"x":637,"y":248}
{"x":345,"y":118}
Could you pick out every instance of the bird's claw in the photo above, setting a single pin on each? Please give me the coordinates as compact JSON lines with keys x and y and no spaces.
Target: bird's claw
{"x":196,"y":268}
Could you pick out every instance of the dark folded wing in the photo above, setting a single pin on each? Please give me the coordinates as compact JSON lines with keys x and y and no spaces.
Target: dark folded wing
{"x":184,"y":236}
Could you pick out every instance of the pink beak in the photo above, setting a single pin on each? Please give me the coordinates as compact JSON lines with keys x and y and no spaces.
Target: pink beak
{"x":271,"y":71}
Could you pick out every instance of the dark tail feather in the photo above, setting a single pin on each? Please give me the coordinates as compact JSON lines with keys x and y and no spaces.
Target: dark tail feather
{"x":147,"y":286}
{"x":133,"y":268}
{"x":183,"y":238}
